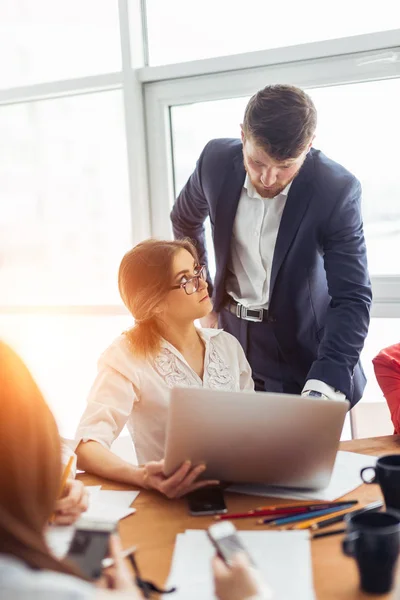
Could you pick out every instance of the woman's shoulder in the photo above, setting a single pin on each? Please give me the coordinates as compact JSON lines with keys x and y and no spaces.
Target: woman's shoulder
{"x":119,"y":357}
{"x":19,"y":582}
{"x":118,"y":347}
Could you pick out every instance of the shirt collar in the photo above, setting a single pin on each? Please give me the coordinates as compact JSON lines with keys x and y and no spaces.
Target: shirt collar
{"x":205,"y":334}
{"x":252,"y":193}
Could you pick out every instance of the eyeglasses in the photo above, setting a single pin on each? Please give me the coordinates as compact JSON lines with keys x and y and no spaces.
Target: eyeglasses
{"x":192,"y":285}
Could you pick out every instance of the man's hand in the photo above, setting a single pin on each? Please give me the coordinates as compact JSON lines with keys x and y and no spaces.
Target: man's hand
{"x":72,"y":505}
{"x":210,"y":320}
{"x":179,"y":483}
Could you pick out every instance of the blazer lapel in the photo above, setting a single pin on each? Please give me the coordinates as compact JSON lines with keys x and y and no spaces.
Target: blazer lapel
{"x":295,"y":208}
{"x":228,"y":201}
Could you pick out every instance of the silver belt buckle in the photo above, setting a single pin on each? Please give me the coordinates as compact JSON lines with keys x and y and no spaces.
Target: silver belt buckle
{"x":242,"y":313}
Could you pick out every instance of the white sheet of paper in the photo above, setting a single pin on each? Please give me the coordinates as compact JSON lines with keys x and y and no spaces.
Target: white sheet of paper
{"x":283,"y":558}
{"x":100,"y":511}
{"x":116,"y":498}
{"x":345,"y":478}
{"x":110,"y":505}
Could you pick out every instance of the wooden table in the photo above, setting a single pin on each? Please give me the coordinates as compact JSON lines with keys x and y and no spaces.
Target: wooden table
{"x":157,"y":521}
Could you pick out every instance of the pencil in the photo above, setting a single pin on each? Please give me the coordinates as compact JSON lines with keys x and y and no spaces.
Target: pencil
{"x":64,"y":478}
{"x":108,"y":562}
{"x":368,"y":508}
{"x":304,"y":516}
{"x":321,"y":519}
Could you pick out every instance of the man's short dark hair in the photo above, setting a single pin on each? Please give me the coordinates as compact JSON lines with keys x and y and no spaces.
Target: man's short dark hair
{"x":281,"y":119}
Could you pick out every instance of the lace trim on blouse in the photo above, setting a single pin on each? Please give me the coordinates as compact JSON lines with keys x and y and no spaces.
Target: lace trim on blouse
{"x":177,"y":374}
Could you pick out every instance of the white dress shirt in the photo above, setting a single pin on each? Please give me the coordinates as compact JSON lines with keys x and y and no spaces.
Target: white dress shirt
{"x":135,"y":392}
{"x":254,"y":234}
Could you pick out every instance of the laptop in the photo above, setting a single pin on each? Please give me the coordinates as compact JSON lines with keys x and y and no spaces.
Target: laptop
{"x":247,"y":437}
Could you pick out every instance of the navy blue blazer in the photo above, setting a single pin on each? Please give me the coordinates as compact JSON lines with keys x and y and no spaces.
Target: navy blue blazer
{"x":320,"y":292}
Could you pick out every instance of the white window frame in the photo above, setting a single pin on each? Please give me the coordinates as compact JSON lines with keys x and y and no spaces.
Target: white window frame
{"x":132,"y":39}
{"x":369,"y":57}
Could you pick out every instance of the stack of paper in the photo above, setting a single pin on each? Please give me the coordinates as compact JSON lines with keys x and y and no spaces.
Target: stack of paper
{"x":283,"y":558}
{"x":104,"y":505}
{"x":345,"y":478}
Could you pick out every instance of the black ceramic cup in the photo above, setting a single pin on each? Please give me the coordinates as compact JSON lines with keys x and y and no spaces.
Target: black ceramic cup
{"x":373,"y":540}
{"x":387,"y":475}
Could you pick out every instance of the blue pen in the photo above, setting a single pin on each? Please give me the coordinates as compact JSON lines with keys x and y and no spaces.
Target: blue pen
{"x":304,"y":516}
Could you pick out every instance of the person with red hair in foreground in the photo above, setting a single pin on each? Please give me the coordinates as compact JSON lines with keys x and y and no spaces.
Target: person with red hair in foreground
{"x":387,"y":372}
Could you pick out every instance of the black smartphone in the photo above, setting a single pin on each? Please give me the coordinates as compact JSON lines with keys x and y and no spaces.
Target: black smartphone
{"x":206,"y":501}
{"x":89,"y":546}
{"x":226,"y":541}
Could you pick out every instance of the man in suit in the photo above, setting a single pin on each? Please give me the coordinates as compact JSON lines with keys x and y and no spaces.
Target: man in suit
{"x":291,"y":279}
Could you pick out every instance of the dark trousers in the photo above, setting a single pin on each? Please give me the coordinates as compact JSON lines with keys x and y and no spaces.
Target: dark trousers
{"x":270,"y":371}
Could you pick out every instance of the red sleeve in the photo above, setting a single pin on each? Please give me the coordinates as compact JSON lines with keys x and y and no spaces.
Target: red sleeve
{"x":387,"y":372}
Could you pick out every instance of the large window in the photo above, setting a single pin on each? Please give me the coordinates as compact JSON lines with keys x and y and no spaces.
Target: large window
{"x":49,"y":40}
{"x":77,"y":80}
{"x":72,"y":195}
{"x":179,"y":30}
{"x":65,"y":218}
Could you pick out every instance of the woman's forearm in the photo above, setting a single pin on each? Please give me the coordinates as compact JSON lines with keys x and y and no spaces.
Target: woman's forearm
{"x":94,"y":458}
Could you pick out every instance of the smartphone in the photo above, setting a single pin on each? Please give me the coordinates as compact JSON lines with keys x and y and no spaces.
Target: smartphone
{"x":226,"y":541}
{"x":206,"y":501}
{"x":90,"y":545}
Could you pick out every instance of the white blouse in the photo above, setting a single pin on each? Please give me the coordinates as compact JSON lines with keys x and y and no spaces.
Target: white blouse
{"x":135,"y":392}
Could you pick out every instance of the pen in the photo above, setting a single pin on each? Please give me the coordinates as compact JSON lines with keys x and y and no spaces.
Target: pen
{"x":280,"y":510}
{"x":304,"y":516}
{"x":108,"y":562}
{"x":326,"y":533}
{"x":368,"y":508}
{"x":64,"y":478}
{"x":319,"y":519}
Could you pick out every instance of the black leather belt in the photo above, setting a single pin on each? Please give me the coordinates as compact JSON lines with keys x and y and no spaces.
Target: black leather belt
{"x":257,"y":315}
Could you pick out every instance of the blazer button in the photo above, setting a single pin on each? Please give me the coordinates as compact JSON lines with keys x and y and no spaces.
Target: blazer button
{"x":271,"y":319}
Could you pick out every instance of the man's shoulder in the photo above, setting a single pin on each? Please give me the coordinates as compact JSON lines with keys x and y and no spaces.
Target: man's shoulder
{"x":223,"y":149}
{"x":331,"y":172}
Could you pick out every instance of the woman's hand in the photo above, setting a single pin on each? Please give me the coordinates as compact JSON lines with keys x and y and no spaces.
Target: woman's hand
{"x":118,"y":577}
{"x":72,"y":505}
{"x":180,"y":483}
{"x":240,"y":581}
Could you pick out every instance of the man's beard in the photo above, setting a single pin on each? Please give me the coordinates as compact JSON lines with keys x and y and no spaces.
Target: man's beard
{"x":273,"y":191}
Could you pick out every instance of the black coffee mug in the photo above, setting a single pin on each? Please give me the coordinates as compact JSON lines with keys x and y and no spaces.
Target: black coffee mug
{"x":387,"y":474}
{"x":373,"y":539}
